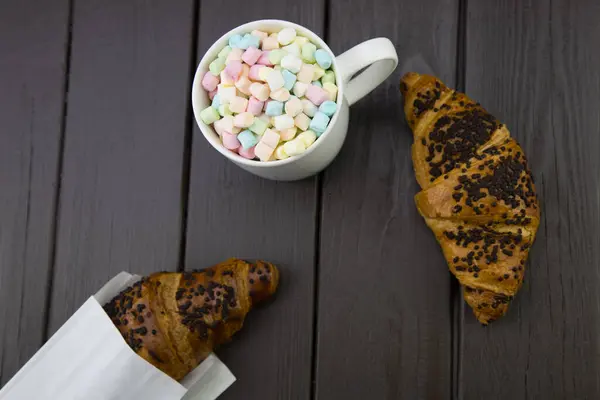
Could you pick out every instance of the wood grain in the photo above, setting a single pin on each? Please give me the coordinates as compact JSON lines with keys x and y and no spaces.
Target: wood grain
{"x":535,"y":65}
{"x":33,"y":56}
{"x":233,"y":213}
{"x":384,"y":317}
{"x":120,"y":203}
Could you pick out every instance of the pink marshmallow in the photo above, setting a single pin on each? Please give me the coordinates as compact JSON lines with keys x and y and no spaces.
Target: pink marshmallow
{"x":212,"y":93}
{"x":251,"y":55}
{"x":253,"y":74}
{"x":246,"y":153}
{"x":234,"y":69}
{"x":255,"y":106}
{"x":264,"y":59}
{"x":209,"y":82}
{"x":230,"y":141}
{"x":316,"y":95}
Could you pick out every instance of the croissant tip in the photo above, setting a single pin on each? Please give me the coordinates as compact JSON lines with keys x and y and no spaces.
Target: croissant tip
{"x":408,"y":80}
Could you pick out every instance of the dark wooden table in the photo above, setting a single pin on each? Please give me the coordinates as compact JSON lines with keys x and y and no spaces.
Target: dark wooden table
{"x":102,"y":169}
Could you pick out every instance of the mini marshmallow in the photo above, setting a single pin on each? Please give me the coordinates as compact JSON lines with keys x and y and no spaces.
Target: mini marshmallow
{"x":228,"y":126}
{"x":247,"y":139}
{"x":251,"y":55}
{"x":294,"y":147}
{"x":308,"y":53}
{"x":316,"y":94}
{"x":328,"y":108}
{"x":255,"y":106}
{"x":275,"y":56}
{"x":230,"y":141}
{"x":289,"y":79}
{"x":317,"y":83}
{"x":249,"y":41}
{"x":226,"y":93}
{"x":319,"y":72}
{"x":270,"y":138}
{"x":328,"y":77}
{"x":246,"y":153}
{"x":238,"y":105}
{"x":217,"y":66}
{"x":259,"y":34}
{"x":225,"y":52}
{"x":264,"y":58}
{"x":245,"y":70}
{"x":226,"y":79}
{"x":258,"y":126}
{"x":212,"y":94}
{"x":244,"y":120}
{"x":281,"y":94}
{"x":306,"y":74}
{"x":331,"y":89}
{"x":266,"y":119}
{"x":243,"y":85}
{"x":234,"y":69}
{"x":274,"y":108}
{"x":216,"y":102}
{"x":319,"y":123}
{"x":292,"y":49}
{"x":277,"y":67}
{"x":210,"y":82}
{"x":302,"y":121}
{"x":308,"y":137}
{"x":288,"y":134}
{"x":260,"y":91}
{"x":280,"y":153}
{"x":286,"y":36}
{"x":308,"y":108}
{"x":323,"y":58}
{"x":219,"y":128}
{"x":235,"y":40}
{"x":292,"y":63}
{"x":263,"y":73}
{"x":275,"y":80}
{"x":293,"y":106}
{"x":282,"y":122}
{"x":253,"y":74}
{"x":300,"y":89}
{"x":270,"y":43}
{"x":263,"y":152}
{"x":234,"y":55}
{"x":300,"y":41}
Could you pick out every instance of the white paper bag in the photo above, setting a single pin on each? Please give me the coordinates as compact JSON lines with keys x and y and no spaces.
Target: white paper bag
{"x":87,"y":359}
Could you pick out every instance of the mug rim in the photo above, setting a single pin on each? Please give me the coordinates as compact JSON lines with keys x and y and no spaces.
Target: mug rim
{"x":211,"y":135}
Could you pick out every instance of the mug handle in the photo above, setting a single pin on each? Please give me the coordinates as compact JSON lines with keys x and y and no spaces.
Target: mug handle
{"x":378,"y":54}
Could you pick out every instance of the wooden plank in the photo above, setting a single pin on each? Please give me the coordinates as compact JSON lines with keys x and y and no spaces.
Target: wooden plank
{"x":33,"y":48}
{"x":384,"y":321}
{"x":120,"y":202}
{"x":535,"y":65}
{"x":233,"y":213}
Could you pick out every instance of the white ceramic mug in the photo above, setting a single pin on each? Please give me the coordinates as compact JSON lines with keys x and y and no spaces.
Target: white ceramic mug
{"x":379,"y":55}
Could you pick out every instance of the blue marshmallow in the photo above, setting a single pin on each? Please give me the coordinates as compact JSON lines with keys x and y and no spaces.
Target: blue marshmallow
{"x":317,"y":83}
{"x":247,"y":139}
{"x":288,"y":79}
{"x":249,"y":41}
{"x":323,"y":58}
{"x":216,"y":102}
{"x":235,"y":40}
{"x":274,"y":108}
{"x":327,"y":107}
{"x":319,"y":123}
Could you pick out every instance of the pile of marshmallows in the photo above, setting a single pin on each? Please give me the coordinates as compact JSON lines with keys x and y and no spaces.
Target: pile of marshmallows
{"x":272,"y":94}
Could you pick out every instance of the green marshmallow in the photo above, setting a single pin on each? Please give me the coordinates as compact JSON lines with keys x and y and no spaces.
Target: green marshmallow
{"x":258,"y":126}
{"x":225,"y":52}
{"x":308,"y":53}
{"x":224,"y":110}
{"x":329,"y":77}
{"x":276,"y":55}
{"x":217,"y":66}
{"x":209,"y":115}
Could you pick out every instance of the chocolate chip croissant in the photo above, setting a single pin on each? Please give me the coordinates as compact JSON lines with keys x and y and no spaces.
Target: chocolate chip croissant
{"x":477,"y":195}
{"x":175,"y":320}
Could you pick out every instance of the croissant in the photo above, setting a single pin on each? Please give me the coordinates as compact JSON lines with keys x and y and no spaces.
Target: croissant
{"x":478,"y":195}
{"x":175,"y":320}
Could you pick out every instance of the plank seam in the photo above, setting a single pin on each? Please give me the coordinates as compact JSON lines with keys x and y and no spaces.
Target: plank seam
{"x":59,"y":169}
{"x":188,"y":139}
{"x":456,"y":304}
{"x":317,"y":252}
